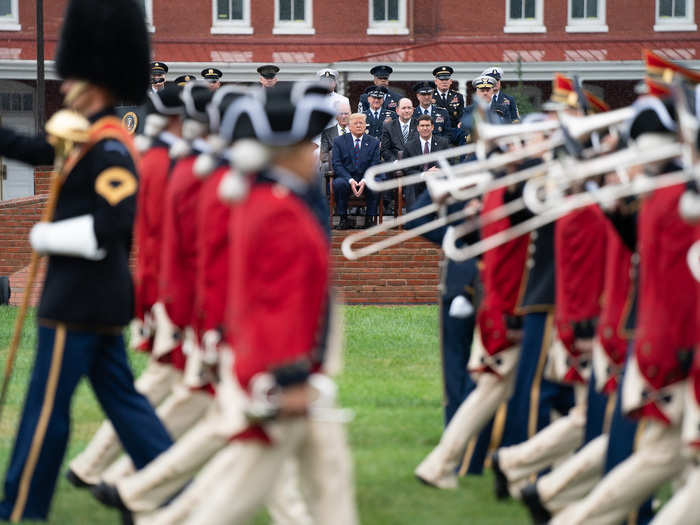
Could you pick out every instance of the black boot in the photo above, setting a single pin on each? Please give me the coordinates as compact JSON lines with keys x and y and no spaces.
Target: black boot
{"x":369,"y":221}
{"x":342,"y":223}
{"x":75,"y":480}
{"x":531,"y":498}
{"x":500,"y":482}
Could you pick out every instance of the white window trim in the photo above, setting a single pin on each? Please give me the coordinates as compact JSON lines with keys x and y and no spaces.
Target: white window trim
{"x":686,"y":23}
{"x":231,"y":27}
{"x":587,"y":25}
{"x":526,"y":26}
{"x":388,"y":28}
{"x":286,"y":27}
{"x":11,"y":23}
{"x":148,"y":5}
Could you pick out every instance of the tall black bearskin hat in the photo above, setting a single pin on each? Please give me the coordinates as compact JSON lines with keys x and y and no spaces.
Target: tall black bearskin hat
{"x":105,"y":42}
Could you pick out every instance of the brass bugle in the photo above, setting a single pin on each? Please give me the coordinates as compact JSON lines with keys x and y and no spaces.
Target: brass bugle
{"x":609,"y":193}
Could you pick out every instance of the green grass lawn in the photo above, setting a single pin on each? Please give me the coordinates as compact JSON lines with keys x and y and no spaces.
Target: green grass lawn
{"x":392,"y":382}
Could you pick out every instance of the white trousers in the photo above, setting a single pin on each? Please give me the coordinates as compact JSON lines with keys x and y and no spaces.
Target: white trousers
{"x":236,"y":483}
{"x":550,"y":445}
{"x":684,"y":507}
{"x":439,"y":467}
{"x":573,"y":479}
{"x":155,"y":383}
{"x":657,"y":460}
{"x":182,"y":409}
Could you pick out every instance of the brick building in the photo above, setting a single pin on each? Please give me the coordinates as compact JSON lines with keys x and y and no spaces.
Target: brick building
{"x":600,"y":40}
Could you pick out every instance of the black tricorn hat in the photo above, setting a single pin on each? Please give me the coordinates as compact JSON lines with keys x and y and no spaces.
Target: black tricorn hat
{"x":167,"y":101}
{"x":105,"y":42}
{"x":653,"y":115}
{"x":284,"y":115}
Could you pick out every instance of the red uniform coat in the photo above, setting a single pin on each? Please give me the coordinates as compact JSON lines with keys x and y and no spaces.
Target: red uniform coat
{"x":502,"y":276}
{"x":666,"y":319}
{"x":148,"y":227}
{"x":617,"y":296}
{"x":278,"y":283}
{"x":212,"y":255}
{"x":579,"y":248}
{"x":179,"y":250}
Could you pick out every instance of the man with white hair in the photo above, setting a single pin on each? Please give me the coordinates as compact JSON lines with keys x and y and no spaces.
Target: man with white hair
{"x":341,"y":127}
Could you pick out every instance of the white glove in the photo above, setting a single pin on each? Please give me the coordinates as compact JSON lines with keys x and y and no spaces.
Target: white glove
{"x":461,"y":308}
{"x":73,"y":237}
{"x":210,"y":346}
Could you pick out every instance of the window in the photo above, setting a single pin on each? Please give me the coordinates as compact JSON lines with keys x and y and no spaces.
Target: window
{"x":586,"y":16}
{"x":293,"y":17}
{"x":675,"y":15}
{"x":387,"y":17}
{"x":524,"y":16}
{"x":147,"y":6}
{"x":231,"y":17}
{"x":9,"y":16}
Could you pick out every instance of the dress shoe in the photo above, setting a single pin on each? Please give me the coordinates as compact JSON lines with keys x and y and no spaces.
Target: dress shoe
{"x":500,"y":481}
{"x":369,"y":222}
{"x":531,"y":498}
{"x":75,"y":480}
{"x":342,"y":223}
{"x":108,"y":495}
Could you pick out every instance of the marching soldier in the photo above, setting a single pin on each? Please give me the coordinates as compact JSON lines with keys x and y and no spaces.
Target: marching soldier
{"x":165,"y":110}
{"x":213,"y":76}
{"x":376,"y":113}
{"x":88,"y":243}
{"x":268,"y":75}
{"x":424,"y":93}
{"x":381,"y":79}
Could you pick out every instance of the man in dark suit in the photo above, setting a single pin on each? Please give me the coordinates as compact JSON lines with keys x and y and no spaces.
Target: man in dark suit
{"x":353,"y":154}
{"x":426,"y":142}
{"x":396,"y":133}
{"x":341,"y":128}
{"x":377,"y":114}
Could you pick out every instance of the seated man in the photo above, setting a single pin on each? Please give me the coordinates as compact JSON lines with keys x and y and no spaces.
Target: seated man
{"x":353,"y":153}
{"x":426,"y":142}
{"x":341,"y":128}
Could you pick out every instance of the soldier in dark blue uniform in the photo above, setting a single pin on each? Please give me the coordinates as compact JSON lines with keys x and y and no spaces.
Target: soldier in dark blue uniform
{"x":184,"y":79}
{"x":450,"y":100}
{"x":158,"y":72}
{"x":441,"y":119}
{"x":87,"y":296}
{"x":504,"y":104}
{"x":381,"y":78}
{"x":213,"y":76}
{"x":268,"y":75}
{"x":376,"y":113}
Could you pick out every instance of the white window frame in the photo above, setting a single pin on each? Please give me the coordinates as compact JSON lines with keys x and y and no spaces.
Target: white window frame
{"x":516,"y":25}
{"x":287,"y":27}
{"x":11,"y":23}
{"x":231,"y":27}
{"x":587,"y":25}
{"x":148,"y":7}
{"x":398,"y":27}
{"x":686,"y":23}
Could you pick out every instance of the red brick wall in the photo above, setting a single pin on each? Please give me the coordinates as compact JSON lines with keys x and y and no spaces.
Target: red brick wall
{"x":17,"y":217}
{"x":42,"y":181}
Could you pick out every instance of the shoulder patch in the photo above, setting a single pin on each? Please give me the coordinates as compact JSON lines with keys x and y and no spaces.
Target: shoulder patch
{"x":116,"y":184}
{"x":116,"y":147}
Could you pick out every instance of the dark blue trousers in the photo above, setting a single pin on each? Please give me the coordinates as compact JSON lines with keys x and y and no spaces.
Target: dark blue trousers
{"x":63,"y":357}
{"x":623,"y":432}
{"x":342,"y":191}
{"x":457,"y":336}
{"x":534,"y":397}
{"x":596,"y":409}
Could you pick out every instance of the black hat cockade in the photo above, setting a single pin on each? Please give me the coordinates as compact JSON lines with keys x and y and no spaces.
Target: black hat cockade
{"x":105,"y":42}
